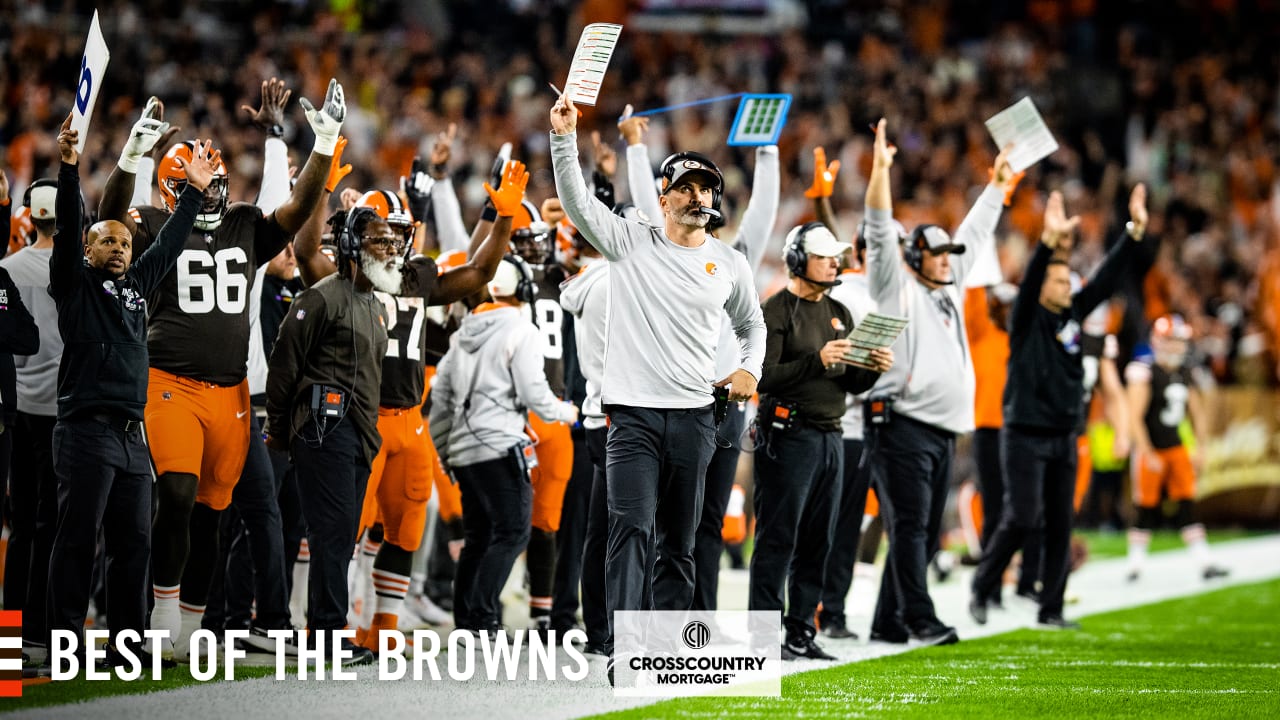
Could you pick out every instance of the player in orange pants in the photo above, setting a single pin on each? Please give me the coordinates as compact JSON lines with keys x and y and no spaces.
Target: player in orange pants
{"x":554,"y":448}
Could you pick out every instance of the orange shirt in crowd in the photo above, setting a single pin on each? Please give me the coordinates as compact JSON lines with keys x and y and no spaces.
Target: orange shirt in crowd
{"x":989,"y":345}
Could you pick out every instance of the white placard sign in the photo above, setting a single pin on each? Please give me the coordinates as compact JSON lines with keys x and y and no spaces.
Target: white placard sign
{"x":1021,"y":124}
{"x":93,"y":67}
{"x":590,"y":60}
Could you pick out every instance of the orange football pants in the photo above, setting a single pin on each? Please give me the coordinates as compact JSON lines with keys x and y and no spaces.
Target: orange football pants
{"x":200,"y":429}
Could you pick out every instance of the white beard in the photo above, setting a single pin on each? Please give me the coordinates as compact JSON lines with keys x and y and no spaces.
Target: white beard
{"x":693,"y":216}
{"x":385,"y":276}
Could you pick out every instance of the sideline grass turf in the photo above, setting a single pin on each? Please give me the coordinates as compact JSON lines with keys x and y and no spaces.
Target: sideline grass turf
{"x":1215,"y":655}
{"x":72,"y":691}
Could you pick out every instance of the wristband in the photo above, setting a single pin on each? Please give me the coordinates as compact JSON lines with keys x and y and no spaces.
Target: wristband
{"x":439,"y":172}
{"x":128,"y":162}
{"x":489,"y":213}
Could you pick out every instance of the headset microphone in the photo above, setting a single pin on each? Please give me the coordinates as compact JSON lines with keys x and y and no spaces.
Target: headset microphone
{"x":711,"y":212}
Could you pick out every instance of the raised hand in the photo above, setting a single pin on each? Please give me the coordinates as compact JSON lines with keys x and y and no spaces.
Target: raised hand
{"x":564,"y":115}
{"x":337,"y":170}
{"x":1138,"y":210}
{"x":824,"y":175}
{"x":270,"y":115}
{"x":606,"y":158}
{"x":881,"y":151}
{"x":348,"y":198}
{"x":204,"y":160}
{"x":552,"y":211}
{"x":441,"y":151}
{"x":417,"y":187}
{"x":327,"y":121}
{"x":1001,"y":172}
{"x":67,"y":139}
{"x":632,"y":128}
{"x":145,"y":135}
{"x":506,"y":198}
{"x":1057,"y":226}
{"x":4,"y":187}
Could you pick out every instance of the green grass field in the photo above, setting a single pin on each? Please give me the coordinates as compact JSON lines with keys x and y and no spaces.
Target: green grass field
{"x":70,"y":691}
{"x":1215,"y":655}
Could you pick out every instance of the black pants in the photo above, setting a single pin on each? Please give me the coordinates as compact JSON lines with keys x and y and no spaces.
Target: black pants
{"x":986,"y":451}
{"x":33,"y":498}
{"x":497,"y":509}
{"x":1041,"y":472}
{"x":655,"y":467}
{"x":847,"y":534}
{"x":104,"y":480}
{"x":441,"y":569}
{"x":252,"y":541}
{"x":798,"y":477}
{"x":571,"y":536}
{"x":331,"y":482}
{"x":912,"y":468}
{"x":708,"y":544}
{"x":595,"y":611}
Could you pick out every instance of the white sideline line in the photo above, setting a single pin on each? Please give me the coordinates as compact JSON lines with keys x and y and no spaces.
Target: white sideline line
{"x":1099,"y":585}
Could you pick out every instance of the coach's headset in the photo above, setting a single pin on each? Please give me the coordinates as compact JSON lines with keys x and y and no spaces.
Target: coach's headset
{"x":668,"y":170}
{"x":797,"y":258}
{"x":526,"y":288}
{"x":914,"y":249}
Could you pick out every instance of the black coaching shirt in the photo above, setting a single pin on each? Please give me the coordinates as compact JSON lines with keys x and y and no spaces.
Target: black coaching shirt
{"x":199,"y":316}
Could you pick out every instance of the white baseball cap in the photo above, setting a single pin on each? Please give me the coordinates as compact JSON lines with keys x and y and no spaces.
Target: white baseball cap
{"x":815,"y":241}
{"x":43,"y":198}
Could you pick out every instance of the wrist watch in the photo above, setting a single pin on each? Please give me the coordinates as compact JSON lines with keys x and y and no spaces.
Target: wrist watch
{"x":276,"y":131}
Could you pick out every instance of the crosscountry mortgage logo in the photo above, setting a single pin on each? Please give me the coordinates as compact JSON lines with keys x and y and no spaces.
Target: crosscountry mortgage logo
{"x":677,"y":654}
{"x":696,"y":635}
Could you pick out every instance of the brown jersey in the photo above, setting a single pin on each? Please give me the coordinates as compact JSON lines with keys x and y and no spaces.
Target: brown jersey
{"x":546,"y":313}
{"x":199,"y":321}
{"x":1170,"y":390}
{"x":403,"y":363}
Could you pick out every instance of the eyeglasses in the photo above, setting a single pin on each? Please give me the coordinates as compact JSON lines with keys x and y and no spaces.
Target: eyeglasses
{"x":387,"y":243}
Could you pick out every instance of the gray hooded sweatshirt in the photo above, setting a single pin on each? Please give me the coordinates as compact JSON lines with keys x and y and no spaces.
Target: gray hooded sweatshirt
{"x":485,"y":385}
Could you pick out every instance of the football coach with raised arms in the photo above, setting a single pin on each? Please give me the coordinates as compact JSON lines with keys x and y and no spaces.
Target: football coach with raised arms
{"x":925,"y":400}
{"x":668,"y":288}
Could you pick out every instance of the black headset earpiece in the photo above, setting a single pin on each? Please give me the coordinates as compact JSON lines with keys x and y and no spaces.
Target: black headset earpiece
{"x":526,"y":288}
{"x":796,"y":258}
{"x":913,"y":252}
{"x":42,"y":182}
{"x":349,"y":242}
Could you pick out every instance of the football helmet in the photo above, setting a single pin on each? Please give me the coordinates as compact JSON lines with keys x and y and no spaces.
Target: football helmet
{"x":390,"y":208}
{"x":531,"y":237}
{"x":172,"y":179}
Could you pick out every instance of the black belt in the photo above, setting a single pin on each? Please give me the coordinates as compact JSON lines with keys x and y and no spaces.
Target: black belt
{"x":114,"y":422}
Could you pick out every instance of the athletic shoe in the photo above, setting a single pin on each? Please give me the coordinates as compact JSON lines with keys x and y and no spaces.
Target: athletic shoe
{"x":359,"y":655}
{"x":978,"y":610}
{"x":259,"y":642}
{"x":1215,"y":571}
{"x":943,"y":563}
{"x":892,"y":637}
{"x":800,"y":644}
{"x":1030,"y":596}
{"x":429,"y":611}
{"x":1057,"y":622}
{"x":932,"y":632}
{"x":592,"y":648}
{"x":837,"y":630}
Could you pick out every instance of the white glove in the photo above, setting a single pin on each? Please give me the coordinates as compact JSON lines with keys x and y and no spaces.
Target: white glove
{"x":144,"y":136}
{"x":327,"y":121}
